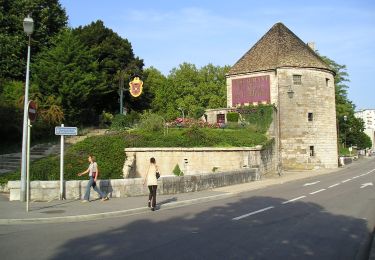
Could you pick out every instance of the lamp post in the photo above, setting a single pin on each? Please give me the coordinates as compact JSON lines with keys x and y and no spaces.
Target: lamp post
{"x":28,"y":27}
{"x":345,"y":118}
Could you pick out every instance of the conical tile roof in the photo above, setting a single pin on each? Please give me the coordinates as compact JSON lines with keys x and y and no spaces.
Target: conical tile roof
{"x":279,"y":47}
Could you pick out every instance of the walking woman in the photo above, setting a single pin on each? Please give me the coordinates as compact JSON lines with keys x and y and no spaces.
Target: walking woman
{"x":93,"y":172}
{"x":152,"y":183}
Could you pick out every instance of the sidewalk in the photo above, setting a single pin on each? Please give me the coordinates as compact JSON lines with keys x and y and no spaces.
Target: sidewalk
{"x":73,"y":210}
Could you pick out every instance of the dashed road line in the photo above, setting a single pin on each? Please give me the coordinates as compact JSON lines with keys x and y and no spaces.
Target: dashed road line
{"x":346,"y":180}
{"x":298,"y":198}
{"x":334,"y":185}
{"x":314,"y":192}
{"x":253,"y":213}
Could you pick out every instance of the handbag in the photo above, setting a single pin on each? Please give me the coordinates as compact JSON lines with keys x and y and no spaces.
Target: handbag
{"x":157,"y":175}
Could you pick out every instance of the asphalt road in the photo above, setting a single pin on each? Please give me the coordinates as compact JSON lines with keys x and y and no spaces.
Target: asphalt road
{"x":325,"y":217}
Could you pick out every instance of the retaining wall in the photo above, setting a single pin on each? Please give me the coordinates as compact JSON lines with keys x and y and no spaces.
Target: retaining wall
{"x":49,"y":190}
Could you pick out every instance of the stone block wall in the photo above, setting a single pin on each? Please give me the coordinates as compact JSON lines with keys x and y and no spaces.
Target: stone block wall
{"x":49,"y":190}
{"x":198,"y":160}
{"x":315,"y":95}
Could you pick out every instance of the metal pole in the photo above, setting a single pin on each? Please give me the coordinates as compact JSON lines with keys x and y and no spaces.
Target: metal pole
{"x":121,"y":93}
{"x":62,"y":166}
{"x":25,"y":132}
{"x":28,"y":167}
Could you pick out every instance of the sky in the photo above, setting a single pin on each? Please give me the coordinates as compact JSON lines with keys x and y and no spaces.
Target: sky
{"x":166,"y":33}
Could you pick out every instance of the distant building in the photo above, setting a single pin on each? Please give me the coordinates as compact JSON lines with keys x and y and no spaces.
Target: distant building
{"x":281,"y":69}
{"x":368,"y":117}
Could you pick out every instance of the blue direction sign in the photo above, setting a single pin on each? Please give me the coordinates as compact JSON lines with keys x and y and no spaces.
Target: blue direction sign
{"x":60,"y":130}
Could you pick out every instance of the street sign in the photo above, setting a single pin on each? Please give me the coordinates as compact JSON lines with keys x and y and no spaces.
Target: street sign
{"x":59,"y":130}
{"x":32,"y":111}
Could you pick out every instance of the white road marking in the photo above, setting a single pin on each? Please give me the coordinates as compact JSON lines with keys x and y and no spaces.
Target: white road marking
{"x":253,"y":213}
{"x":311,"y":183}
{"x":366,"y":184}
{"x":334,"y":185}
{"x":314,"y":192}
{"x":285,"y":202}
{"x":355,"y":177}
{"x":347,"y":180}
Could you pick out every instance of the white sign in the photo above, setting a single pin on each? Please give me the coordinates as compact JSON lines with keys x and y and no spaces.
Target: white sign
{"x":66,"y":130}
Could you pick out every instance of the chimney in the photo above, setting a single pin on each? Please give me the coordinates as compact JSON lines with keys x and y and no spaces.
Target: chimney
{"x":311,"y":45}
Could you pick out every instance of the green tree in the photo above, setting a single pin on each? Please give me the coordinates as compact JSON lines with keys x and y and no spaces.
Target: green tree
{"x":188,"y":88}
{"x":49,"y":18}
{"x":351,"y":130}
{"x":116,"y":60}
{"x":69,"y":72}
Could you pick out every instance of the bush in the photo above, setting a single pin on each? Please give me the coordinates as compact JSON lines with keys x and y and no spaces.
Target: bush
{"x":105,"y":119}
{"x":121,"y":122}
{"x":177,"y":171}
{"x":151,"y":122}
{"x":258,"y":118}
{"x":233,"y":117}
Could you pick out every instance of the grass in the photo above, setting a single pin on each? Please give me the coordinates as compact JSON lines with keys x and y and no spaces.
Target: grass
{"x":109,"y":150}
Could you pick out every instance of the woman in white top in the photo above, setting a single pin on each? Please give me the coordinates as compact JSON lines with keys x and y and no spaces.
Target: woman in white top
{"x":93,"y":172}
{"x":152,"y":183}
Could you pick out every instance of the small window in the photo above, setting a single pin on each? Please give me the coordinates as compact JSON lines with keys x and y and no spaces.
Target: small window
{"x":297,"y":79}
{"x":312,"y":153}
{"x":327,"y":82}
{"x":310,"y":117}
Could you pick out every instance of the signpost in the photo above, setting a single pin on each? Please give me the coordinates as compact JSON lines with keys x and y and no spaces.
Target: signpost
{"x":31,"y":118}
{"x":62,"y":131}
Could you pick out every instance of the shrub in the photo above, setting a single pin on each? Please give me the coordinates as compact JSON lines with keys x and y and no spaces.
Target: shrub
{"x":233,"y":117}
{"x":121,"y":122}
{"x":151,"y":122}
{"x":105,"y":119}
{"x":258,"y":118}
{"x":177,"y":171}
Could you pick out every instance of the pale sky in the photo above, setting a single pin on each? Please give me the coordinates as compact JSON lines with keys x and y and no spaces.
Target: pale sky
{"x":166,"y":33}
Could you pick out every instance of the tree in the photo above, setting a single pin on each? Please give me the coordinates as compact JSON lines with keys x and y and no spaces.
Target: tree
{"x":116,"y":60}
{"x":351,"y":130}
{"x":69,"y":72}
{"x":49,"y":18}
{"x":188,"y":88}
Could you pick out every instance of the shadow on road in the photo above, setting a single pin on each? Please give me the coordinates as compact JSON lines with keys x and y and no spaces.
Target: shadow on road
{"x":297,"y":230}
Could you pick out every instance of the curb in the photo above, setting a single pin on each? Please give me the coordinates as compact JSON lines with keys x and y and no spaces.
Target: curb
{"x":99,"y":216}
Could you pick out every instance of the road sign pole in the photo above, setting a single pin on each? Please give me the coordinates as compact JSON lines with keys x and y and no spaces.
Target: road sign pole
{"x":62,"y":166}
{"x":28,"y":166}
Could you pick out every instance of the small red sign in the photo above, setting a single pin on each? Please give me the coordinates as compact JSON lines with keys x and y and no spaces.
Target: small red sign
{"x":32,"y":111}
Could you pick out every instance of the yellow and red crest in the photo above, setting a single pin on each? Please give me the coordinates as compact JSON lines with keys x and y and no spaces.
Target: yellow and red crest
{"x":136,"y":87}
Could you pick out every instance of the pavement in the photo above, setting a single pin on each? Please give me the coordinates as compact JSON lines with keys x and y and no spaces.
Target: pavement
{"x":14,"y":212}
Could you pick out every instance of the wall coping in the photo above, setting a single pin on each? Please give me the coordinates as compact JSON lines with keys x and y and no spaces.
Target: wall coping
{"x":192,"y":149}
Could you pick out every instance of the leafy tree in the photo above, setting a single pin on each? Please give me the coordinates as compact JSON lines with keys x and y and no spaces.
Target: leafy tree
{"x":116,"y":60}
{"x":187,"y":88}
{"x":69,"y":72}
{"x":49,"y":18}
{"x":351,"y":130}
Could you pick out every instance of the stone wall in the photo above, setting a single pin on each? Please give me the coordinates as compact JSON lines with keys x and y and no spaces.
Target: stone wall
{"x":297,"y":133}
{"x":49,"y":190}
{"x":198,"y":160}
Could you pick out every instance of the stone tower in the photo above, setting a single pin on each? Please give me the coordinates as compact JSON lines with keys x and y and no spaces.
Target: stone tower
{"x":281,"y":69}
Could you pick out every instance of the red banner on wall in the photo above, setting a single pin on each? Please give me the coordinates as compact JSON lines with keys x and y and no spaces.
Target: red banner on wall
{"x":249,"y":90}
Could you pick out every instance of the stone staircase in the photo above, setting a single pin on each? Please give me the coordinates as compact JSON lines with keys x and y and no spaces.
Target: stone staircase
{"x":12,"y":162}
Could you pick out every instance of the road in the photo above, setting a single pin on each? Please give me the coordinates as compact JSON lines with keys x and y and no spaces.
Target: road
{"x":324,"y":217}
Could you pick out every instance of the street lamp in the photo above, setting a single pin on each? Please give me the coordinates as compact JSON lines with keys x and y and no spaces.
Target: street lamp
{"x":345,"y":118}
{"x":28,"y":27}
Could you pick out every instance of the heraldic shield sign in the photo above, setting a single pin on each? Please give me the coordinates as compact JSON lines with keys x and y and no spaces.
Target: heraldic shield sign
{"x":136,"y":86}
